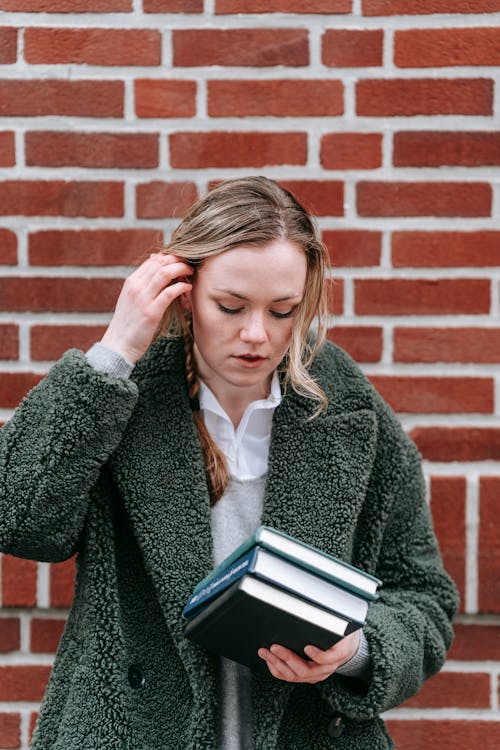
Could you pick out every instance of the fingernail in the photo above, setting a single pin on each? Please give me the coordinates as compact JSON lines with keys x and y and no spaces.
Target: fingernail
{"x":309,"y":650}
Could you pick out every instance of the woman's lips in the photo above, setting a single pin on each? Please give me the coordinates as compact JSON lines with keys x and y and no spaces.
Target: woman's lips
{"x":250,"y":361}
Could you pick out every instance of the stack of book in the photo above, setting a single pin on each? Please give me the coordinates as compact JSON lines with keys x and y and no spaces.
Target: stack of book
{"x":276,"y":589}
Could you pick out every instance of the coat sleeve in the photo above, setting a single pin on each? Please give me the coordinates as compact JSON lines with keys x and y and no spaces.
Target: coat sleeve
{"x":409,"y":627}
{"x":51,"y":453}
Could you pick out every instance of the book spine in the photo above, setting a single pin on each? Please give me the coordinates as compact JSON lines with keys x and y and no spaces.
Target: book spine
{"x":218,"y":584}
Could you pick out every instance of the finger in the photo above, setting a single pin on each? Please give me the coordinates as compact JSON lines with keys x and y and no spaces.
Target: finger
{"x":165,"y":276}
{"x":278,"y":667}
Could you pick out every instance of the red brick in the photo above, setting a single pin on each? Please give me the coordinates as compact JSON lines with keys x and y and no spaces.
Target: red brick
{"x":433,"y":48}
{"x":427,"y":7}
{"x":14,"y":386}
{"x":10,"y":636}
{"x":335,"y":296}
{"x":422,"y":296}
{"x":475,"y":642}
{"x":157,"y":200}
{"x":445,"y":249}
{"x":23,"y":682}
{"x":48,"y":342}
{"x":236,"y":149}
{"x":106,"y":150}
{"x":10,"y":730}
{"x":301,"y":98}
{"x":445,"y":734}
{"x":58,"y":198}
{"x":8,"y":45}
{"x":458,"y":443}
{"x":67,"y":6}
{"x":61,"y":294}
{"x":424,"y":96}
{"x":424,"y":198}
{"x":7,"y":149}
{"x":488,"y":548}
{"x":283,"y":6}
{"x":18,"y":582}
{"x":352,"y":48}
{"x":474,"y":345}
{"x":453,"y":690}
{"x":362,"y":343}
{"x":159,"y":98}
{"x":436,"y":395}
{"x":241,"y":47}
{"x":92,"y":46}
{"x":353,"y":247}
{"x":32,"y":723}
{"x":172,"y":6}
{"x":351,"y":150}
{"x":448,"y":514}
{"x":92,"y":247}
{"x":62,"y":583}
{"x":447,"y":148}
{"x":45,"y":97}
{"x":45,"y":635}
{"x":319,"y":197}
{"x":8,"y":247}
{"x":9,"y":341}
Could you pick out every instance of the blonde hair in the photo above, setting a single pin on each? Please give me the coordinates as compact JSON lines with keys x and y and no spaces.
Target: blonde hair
{"x":251,"y":211}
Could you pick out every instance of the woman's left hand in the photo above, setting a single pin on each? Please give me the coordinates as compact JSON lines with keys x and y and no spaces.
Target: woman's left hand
{"x":289,"y":666}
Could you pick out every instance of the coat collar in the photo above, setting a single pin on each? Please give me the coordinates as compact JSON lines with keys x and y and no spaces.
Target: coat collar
{"x":318,"y":472}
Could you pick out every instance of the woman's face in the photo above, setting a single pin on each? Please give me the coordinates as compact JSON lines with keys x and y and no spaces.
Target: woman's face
{"x":243,"y":303}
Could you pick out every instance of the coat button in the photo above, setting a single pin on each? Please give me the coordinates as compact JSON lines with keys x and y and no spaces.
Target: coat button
{"x":336,"y":727}
{"x":136,"y":677}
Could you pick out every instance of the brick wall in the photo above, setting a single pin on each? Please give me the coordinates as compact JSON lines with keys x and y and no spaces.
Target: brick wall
{"x":382,"y":116}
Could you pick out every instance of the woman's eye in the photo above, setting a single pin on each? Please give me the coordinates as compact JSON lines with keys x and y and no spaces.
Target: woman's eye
{"x":229,"y":310}
{"x":282,"y":315}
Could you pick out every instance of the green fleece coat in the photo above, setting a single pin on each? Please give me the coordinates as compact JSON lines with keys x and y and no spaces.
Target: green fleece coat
{"x":112,"y":469}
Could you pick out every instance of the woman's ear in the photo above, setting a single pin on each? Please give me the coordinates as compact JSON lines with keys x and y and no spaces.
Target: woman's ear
{"x":185,"y":301}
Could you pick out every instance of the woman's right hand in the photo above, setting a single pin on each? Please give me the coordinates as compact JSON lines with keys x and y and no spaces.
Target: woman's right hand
{"x":144,"y":297}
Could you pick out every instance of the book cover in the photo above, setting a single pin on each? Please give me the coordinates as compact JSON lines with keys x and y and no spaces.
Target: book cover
{"x":251,"y":614}
{"x":304,"y":555}
{"x":274,"y":569}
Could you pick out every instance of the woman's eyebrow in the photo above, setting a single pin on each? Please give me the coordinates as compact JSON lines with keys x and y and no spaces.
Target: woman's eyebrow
{"x":240,"y":296}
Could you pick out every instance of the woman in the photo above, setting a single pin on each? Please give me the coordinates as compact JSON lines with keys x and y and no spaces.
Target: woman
{"x":153,"y":461}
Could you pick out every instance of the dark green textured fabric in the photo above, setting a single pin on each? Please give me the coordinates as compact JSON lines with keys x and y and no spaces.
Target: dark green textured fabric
{"x":112,"y":469}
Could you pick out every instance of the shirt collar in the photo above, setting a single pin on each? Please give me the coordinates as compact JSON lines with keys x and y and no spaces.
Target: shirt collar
{"x":209,"y":402}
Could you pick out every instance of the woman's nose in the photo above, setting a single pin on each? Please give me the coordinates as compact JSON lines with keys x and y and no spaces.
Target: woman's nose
{"x":254,"y":330}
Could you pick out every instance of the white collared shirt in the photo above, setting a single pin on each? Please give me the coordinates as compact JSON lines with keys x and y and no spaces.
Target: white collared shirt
{"x":247,"y":447}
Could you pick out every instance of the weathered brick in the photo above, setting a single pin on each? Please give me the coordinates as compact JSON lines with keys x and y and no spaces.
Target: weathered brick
{"x":362,"y":343}
{"x":10,"y":636}
{"x":172,"y":6}
{"x":283,"y":6}
{"x":59,"y":294}
{"x":279,"y":98}
{"x":480,"y":345}
{"x":433,"y":48}
{"x":164,"y":98}
{"x":447,"y":148}
{"x":448,"y":507}
{"x":416,"y":734}
{"x":241,"y":47}
{"x":436,"y":395}
{"x":351,"y":151}
{"x":424,"y":96}
{"x":352,"y":48}
{"x":475,"y":642}
{"x":98,"y":150}
{"x":7,"y":149}
{"x":9,"y":341}
{"x":53,"y":97}
{"x":426,"y":7}
{"x":14,"y":386}
{"x":8,"y":45}
{"x":8,"y":247}
{"x":59,"y":198}
{"x":92,"y":247}
{"x":45,"y":634}
{"x":23,"y":682}
{"x":446,"y":249}
{"x":236,"y":149}
{"x":422,"y":296}
{"x":67,"y":6}
{"x":92,"y":46}
{"x":10,"y":730}
{"x":49,"y":342}
{"x":453,"y":690}
{"x":319,"y":197}
{"x":488,"y":548}
{"x":158,"y":199}
{"x":18,"y":584}
{"x":424,"y":198}
{"x":458,"y":443}
{"x":353,"y":247}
